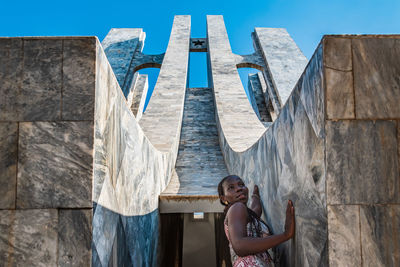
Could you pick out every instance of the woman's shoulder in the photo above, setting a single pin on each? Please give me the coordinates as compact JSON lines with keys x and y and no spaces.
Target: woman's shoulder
{"x":237,"y":209}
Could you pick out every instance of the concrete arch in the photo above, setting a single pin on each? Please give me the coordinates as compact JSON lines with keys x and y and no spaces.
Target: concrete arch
{"x":250,"y":61}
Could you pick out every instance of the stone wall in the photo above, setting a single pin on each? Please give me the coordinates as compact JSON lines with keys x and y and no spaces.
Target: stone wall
{"x":47,"y":90}
{"x":333,"y":150}
{"x":362,"y":149}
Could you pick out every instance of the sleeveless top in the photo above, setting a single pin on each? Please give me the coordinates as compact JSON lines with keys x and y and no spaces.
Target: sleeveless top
{"x":257,"y":260}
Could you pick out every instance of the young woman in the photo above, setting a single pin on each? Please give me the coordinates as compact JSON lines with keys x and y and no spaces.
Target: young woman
{"x":249,"y":237}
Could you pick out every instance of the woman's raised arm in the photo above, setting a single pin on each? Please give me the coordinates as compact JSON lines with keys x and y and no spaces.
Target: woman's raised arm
{"x":243,"y":245}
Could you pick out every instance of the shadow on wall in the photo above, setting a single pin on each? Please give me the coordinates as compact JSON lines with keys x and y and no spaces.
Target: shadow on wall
{"x":129,"y":245}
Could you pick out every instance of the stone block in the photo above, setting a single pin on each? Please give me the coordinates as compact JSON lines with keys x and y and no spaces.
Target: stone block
{"x":74,"y":237}
{"x":40,"y":94}
{"x":55,"y":165}
{"x":8,"y":163}
{"x":337,"y":53}
{"x":344,"y":235}
{"x":380,"y":240}
{"x":376,"y":77}
{"x":6,"y":239}
{"x":359,"y":156}
{"x":11,"y":66}
{"x":79,"y":69}
{"x":29,"y":237}
{"x":339,"y":94}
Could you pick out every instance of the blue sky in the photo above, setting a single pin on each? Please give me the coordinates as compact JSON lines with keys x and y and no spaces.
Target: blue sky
{"x":306,"y":21}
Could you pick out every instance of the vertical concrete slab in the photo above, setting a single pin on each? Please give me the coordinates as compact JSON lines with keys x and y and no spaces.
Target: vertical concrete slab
{"x":380,"y":235}
{"x":337,"y":53}
{"x":55,"y":165}
{"x":139,"y":94}
{"x":40,"y":95}
{"x":6,"y":237}
{"x":339,"y":94}
{"x":240,"y":125}
{"x":30,"y":237}
{"x":283,"y":58}
{"x":74,"y":237}
{"x":30,"y":79}
{"x":120,"y":45}
{"x":8,"y":164}
{"x":340,"y":99}
{"x":79,"y":71}
{"x":376,"y":72}
{"x":256,"y":84}
{"x":11,"y":66}
{"x":163,"y":117}
{"x":344,"y":235}
{"x":360,"y":155}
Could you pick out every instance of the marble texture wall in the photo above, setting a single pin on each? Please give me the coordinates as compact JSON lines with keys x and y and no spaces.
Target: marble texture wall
{"x":47,"y":90}
{"x":326,"y":151}
{"x":362,"y":149}
{"x":133,"y":163}
{"x":286,"y":161}
{"x":120,"y":46}
{"x":80,"y":178}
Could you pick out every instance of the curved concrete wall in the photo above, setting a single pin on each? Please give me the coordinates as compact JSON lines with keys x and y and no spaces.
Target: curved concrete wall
{"x":123,"y":195}
{"x":287,"y":162}
{"x":133,"y":166}
{"x":326,"y":151}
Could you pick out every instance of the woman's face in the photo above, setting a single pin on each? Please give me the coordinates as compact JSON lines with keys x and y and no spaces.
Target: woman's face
{"x":234,"y":191}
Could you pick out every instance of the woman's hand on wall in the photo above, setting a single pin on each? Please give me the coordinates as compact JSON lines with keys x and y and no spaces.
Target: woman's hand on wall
{"x":289,"y":223}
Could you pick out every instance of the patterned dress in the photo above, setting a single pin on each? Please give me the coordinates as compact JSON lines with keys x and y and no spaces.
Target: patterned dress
{"x":257,"y":260}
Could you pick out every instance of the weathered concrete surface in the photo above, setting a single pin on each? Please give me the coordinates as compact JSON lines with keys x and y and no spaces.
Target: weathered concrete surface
{"x":8,"y":164}
{"x":257,"y":86}
{"x":137,"y":96}
{"x":339,"y":90}
{"x":318,"y":152}
{"x":46,"y":140}
{"x":344,"y":235}
{"x":78,"y":79}
{"x":120,"y":46}
{"x":31,"y":79}
{"x":378,"y":97}
{"x":200,"y":164}
{"x":74,"y":237}
{"x":28,"y":237}
{"x":287,"y":159}
{"x":353,"y":171}
{"x":362,"y":159}
{"x":55,"y":165}
{"x":133,"y":166}
{"x":342,"y":174}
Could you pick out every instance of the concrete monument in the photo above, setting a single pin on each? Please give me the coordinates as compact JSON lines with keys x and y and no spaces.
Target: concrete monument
{"x":88,"y":177}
